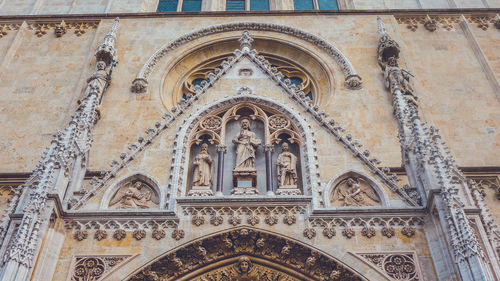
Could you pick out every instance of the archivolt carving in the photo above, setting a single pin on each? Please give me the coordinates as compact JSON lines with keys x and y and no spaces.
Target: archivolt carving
{"x":352,"y":79}
{"x":244,"y":254}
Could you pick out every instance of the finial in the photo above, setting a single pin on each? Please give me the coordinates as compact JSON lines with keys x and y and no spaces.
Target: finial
{"x":245,"y":41}
{"x":106,"y":51}
{"x":382,"y":33}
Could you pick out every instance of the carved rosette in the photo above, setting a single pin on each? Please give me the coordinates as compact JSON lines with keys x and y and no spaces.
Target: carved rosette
{"x":93,"y":268}
{"x":398,"y":266}
{"x":241,"y":246}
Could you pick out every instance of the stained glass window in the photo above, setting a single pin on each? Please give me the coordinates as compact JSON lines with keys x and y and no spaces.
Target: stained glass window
{"x":167,"y":6}
{"x":191,"y":5}
{"x":235,"y":5}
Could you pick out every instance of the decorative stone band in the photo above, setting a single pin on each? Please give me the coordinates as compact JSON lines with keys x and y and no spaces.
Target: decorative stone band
{"x":234,"y":216}
{"x":6,"y":27}
{"x":368,"y":226}
{"x":352,"y":79}
{"x":433,"y":22}
{"x":395,"y":265}
{"x":118,"y":229}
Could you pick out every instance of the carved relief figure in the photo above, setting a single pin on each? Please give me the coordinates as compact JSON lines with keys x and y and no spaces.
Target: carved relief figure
{"x":135,"y":195}
{"x":354,"y":192}
{"x":244,"y":270}
{"x":246,"y":143}
{"x":203,"y":169}
{"x":286,"y":168}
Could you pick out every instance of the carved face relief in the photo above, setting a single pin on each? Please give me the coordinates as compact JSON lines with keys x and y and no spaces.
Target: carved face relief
{"x":134,"y":195}
{"x":354,"y":191}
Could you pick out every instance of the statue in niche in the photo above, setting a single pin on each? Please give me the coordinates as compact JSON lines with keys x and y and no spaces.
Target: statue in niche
{"x":286,"y":168}
{"x":246,"y":143}
{"x":137,"y":195}
{"x":202,"y":173}
{"x":244,"y":173}
{"x":354,"y":192}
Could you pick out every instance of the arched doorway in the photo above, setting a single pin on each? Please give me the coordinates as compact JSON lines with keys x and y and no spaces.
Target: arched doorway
{"x":245,"y":254}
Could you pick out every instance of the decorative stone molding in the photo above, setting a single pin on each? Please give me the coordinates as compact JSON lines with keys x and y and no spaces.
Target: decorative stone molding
{"x":367,"y":225}
{"x":269,"y":215}
{"x":487,"y":182}
{"x":79,"y":27}
{"x":119,"y":228}
{"x":353,"y":80}
{"x":430,"y":22}
{"x":395,"y":265}
{"x":484,"y":21}
{"x":5,"y":27}
{"x":245,"y":245}
{"x":95,"y":267}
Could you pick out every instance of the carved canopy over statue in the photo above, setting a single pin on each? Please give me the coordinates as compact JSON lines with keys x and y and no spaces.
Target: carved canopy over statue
{"x":354,"y":191}
{"x":134,"y":195}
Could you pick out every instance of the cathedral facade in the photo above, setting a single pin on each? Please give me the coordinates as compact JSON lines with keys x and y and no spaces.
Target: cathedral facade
{"x":271,"y":140}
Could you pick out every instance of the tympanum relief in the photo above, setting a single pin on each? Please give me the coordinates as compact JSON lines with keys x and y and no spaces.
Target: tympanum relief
{"x":354,"y":191}
{"x":134,"y":195}
{"x":247,"y":135}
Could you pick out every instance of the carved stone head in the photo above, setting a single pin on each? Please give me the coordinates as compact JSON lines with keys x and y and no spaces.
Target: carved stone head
{"x":204,"y":148}
{"x":100,"y":65}
{"x":244,"y":264}
{"x":392,"y":61}
{"x":284,"y":147}
{"x":245,"y":123}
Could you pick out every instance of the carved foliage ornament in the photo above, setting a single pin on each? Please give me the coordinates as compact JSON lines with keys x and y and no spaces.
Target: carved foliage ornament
{"x":237,"y":244}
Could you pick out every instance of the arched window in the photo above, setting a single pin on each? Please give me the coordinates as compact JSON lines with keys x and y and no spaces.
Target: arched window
{"x":167,"y":6}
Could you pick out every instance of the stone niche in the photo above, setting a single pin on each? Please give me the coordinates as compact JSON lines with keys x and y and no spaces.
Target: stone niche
{"x":354,"y":190}
{"x":234,"y":145}
{"x":134,"y":193}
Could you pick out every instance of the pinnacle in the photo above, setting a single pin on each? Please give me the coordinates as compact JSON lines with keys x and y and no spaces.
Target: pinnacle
{"x":245,"y":41}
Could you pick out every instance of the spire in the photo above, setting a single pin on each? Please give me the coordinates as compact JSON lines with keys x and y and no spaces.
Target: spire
{"x":106,"y":51}
{"x":245,"y":41}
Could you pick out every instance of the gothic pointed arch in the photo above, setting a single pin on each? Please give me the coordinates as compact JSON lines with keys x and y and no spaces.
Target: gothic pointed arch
{"x":351,"y":78}
{"x":245,"y":254}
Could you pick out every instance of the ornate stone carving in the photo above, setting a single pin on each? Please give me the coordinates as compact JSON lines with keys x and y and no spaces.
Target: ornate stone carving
{"x":269,"y":215}
{"x":430,"y":22}
{"x":134,"y":195}
{"x":41,"y":28}
{"x":242,"y":246}
{"x":119,"y":234}
{"x":6,"y":27}
{"x":158,"y":234}
{"x":178,"y":234}
{"x":398,"y":266}
{"x":60,"y":29}
{"x":139,"y":234}
{"x":203,"y":167}
{"x":100,"y":234}
{"x":94,"y":268}
{"x":354,"y":192}
{"x":81,"y":234}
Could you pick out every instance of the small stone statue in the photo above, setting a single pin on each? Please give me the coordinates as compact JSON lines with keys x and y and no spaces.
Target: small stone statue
{"x":353,"y":193}
{"x":246,"y":143}
{"x":394,"y":75}
{"x":98,"y":79}
{"x":203,"y":170}
{"x":244,"y":270}
{"x":134,"y":196}
{"x":286,"y":168}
